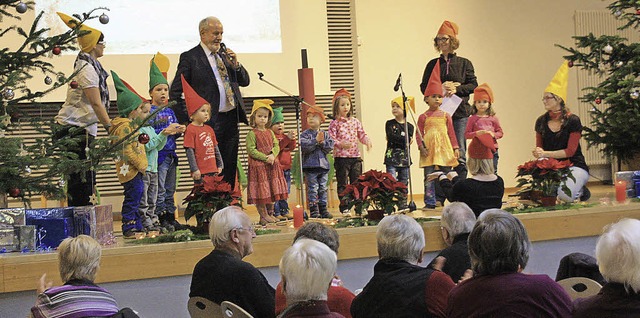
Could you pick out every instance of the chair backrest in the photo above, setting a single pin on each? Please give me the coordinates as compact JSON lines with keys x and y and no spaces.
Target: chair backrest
{"x":231,"y":310}
{"x":200,"y":307}
{"x":580,"y":287}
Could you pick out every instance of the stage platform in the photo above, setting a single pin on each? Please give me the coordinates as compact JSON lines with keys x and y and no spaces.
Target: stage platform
{"x":130,"y":262}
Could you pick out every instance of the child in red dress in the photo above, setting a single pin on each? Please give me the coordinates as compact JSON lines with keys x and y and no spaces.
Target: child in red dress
{"x":266,"y":178}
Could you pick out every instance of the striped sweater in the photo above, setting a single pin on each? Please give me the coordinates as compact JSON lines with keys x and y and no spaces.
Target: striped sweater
{"x":75,"y":299}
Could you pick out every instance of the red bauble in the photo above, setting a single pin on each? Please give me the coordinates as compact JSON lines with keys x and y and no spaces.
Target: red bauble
{"x":143,"y":138}
{"x":570,"y":63}
{"x":14,"y":192}
{"x":598,"y":101}
{"x":638,"y":12}
{"x":73,"y":84}
{"x":56,"y":50}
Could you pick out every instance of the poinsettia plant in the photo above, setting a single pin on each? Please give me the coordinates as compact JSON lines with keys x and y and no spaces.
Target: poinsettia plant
{"x":545,"y":175}
{"x":377,"y":190}
{"x":208,"y":197}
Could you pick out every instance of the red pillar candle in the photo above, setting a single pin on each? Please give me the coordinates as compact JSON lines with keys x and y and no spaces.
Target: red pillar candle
{"x":621,"y":191}
{"x":298,"y":217}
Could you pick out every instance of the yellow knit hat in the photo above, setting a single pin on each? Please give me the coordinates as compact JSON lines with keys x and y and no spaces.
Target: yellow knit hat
{"x":559,"y":83}
{"x":88,"y":41}
{"x":410,"y":100}
{"x":260,"y":103}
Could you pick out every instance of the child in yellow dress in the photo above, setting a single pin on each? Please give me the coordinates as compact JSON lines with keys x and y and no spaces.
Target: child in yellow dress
{"x":439,"y":147}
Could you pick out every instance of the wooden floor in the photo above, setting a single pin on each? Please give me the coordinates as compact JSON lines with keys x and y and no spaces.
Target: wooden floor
{"x":128,"y":262}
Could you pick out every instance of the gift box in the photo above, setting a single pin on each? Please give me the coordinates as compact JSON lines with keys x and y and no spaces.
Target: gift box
{"x":95,"y":221}
{"x":50,"y":232}
{"x":7,"y":239}
{"x":26,"y":237}
{"x":52,"y":225}
{"x":11,"y":217}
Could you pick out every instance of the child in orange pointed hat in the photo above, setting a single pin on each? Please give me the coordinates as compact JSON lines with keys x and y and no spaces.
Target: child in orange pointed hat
{"x":266,"y":179}
{"x":316,"y":145}
{"x":484,"y":119}
{"x":346,"y":131}
{"x":439,"y":147}
{"x":200,"y":140}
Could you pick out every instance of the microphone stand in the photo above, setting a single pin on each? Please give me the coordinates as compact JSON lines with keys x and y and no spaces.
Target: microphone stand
{"x":296,"y":103}
{"x":412,"y":204}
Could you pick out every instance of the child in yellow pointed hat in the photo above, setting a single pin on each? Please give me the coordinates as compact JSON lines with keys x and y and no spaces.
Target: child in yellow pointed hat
{"x":558,"y":134}
{"x":396,"y":158}
{"x":267,"y":184}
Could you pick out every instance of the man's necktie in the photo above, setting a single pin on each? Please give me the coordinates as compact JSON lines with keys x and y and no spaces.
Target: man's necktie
{"x":222,"y":69}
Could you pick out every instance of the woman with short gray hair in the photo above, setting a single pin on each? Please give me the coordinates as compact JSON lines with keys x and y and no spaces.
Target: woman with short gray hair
{"x":399,"y":287}
{"x":499,"y":249}
{"x":618,"y":255}
{"x":307,"y":268}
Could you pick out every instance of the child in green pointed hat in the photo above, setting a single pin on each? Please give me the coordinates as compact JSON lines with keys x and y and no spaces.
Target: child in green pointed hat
{"x":287,"y":142}
{"x":167,"y":158}
{"x":131,"y":164}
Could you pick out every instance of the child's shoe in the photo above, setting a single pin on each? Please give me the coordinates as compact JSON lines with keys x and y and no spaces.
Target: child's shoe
{"x":324,"y":213}
{"x":133,"y":234}
{"x":152,"y":230}
{"x":313,"y":211}
{"x":167,"y":225}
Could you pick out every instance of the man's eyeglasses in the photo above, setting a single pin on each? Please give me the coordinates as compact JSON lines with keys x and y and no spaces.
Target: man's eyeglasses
{"x":442,"y":40}
{"x":251,"y":229}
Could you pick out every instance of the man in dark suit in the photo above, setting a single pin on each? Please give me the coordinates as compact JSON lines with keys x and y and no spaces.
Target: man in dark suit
{"x":215,"y":74}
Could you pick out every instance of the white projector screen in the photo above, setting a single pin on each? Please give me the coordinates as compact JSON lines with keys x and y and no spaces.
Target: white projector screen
{"x":141,"y":26}
{"x":138,"y":29}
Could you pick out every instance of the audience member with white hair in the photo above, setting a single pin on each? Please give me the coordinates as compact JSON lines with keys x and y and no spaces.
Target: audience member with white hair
{"x":79,"y":260}
{"x":223,"y":275}
{"x":499,"y":250}
{"x":399,"y":287}
{"x":618,"y":255}
{"x":338,"y":297}
{"x":307,"y":269}
{"x":456,"y":224}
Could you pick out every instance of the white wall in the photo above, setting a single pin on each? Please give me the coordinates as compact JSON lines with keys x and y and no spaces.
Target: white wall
{"x":510,"y":43}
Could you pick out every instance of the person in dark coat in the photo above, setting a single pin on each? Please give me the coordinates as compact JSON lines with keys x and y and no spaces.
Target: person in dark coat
{"x":456,"y":224}
{"x":618,"y":255}
{"x":215,"y":73}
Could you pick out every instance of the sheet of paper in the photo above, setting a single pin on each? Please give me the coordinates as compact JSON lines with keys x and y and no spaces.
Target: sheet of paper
{"x":450,"y":104}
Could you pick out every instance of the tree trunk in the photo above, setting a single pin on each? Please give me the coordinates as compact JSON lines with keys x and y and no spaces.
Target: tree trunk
{"x":4,"y":202}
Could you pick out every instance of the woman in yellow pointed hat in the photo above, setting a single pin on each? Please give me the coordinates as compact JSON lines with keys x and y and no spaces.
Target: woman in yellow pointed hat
{"x":558,"y":134}
{"x":86,"y":104}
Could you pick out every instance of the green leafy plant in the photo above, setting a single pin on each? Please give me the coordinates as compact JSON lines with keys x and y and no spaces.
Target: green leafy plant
{"x":377,"y":190}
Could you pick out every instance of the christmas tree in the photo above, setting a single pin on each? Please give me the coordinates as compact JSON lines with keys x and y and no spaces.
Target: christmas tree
{"x":615,"y":127}
{"x":38,"y":167}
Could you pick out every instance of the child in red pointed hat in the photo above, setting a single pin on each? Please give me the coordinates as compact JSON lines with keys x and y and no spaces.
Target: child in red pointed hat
{"x":346,"y":131}
{"x":439,"y":147}
{"x":484,"y":119}
{"x":200,"y":140}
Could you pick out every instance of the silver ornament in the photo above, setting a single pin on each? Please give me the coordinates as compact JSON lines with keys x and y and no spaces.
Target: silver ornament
{"x":21,"y":7}
{"x":617,"y":13}
{"x":27,"y":170}
{"x":104,"y":19}
{"x":619,"y":64}
{"x":61,"y":183}
{"x":608,"y":49}
{"x":634,"y":95}
{"x":48,"y":80}
{"x":8,"y":94}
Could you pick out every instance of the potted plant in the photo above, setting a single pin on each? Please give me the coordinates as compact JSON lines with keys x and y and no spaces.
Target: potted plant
{"x":375,"y":190}
{"x":542,"y":177}
{"x":207,"y":198}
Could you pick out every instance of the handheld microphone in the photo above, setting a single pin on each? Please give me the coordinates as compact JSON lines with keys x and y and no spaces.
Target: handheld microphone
{"x":223,"y":52}
{"x":398,"y":81}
